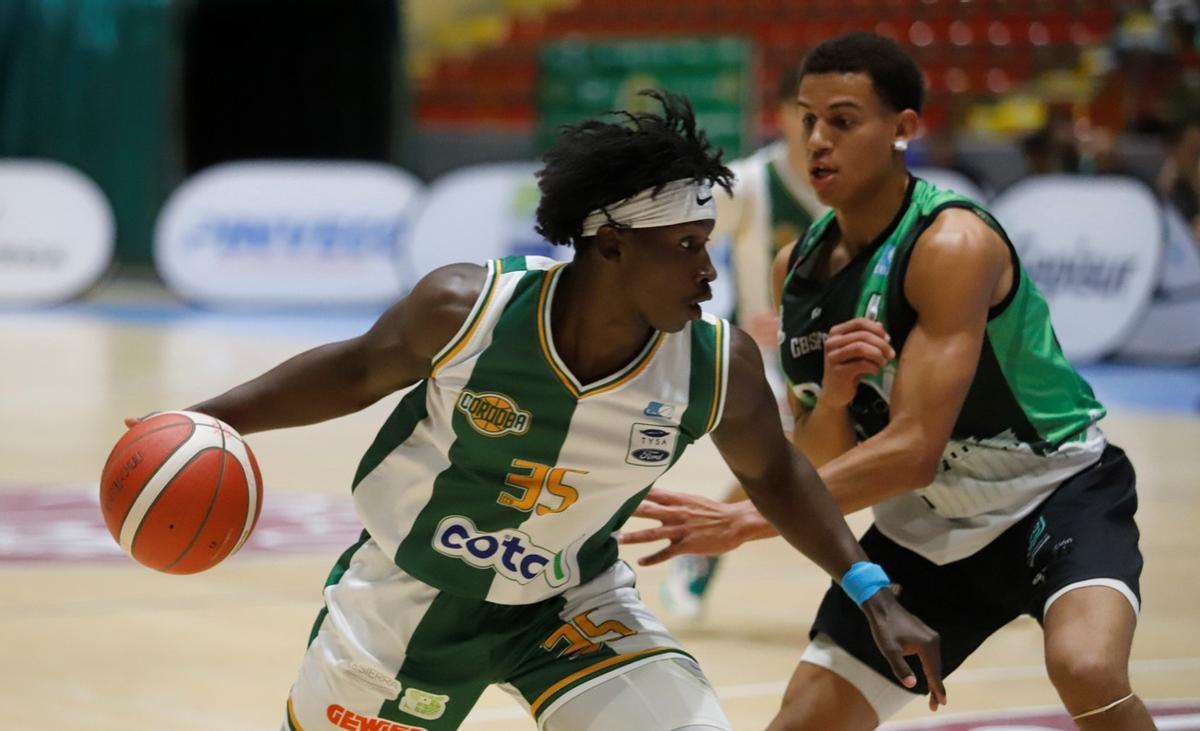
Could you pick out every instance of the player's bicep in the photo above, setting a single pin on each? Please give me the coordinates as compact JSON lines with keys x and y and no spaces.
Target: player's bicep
{"x":932,"y":379}
{"x":749,"y":437}
{"x":949,"y":283}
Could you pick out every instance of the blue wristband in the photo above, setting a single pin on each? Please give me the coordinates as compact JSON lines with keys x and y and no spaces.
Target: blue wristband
{"x":863,"y":580}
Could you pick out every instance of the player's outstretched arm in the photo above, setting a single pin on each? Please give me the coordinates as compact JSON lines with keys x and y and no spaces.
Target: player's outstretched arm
{"x":781,"y":482}
{"x":340,"y":378}
{"x":786,"y":489}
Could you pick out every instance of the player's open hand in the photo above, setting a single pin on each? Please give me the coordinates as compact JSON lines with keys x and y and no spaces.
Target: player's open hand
{"x":897,"y":634}
{"x":691,"y":523}
{"x":853,"y":349}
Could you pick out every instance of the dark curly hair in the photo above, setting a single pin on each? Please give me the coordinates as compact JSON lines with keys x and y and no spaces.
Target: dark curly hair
{"x":597,"y":163}
{"x":894,"y":74}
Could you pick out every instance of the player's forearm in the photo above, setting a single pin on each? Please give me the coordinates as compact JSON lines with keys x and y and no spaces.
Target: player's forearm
{"x":825,"y":433}
{"x":801,"y":509}
{"x":316,"y":385}
{"x":880,"y":468}
{"x":891,"y":463}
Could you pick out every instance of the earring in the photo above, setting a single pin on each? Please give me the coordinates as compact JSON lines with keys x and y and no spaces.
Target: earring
{"x":900,"y":145}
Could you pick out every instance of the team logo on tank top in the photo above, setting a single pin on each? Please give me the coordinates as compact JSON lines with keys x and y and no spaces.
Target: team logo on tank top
{"x":493,"y":414}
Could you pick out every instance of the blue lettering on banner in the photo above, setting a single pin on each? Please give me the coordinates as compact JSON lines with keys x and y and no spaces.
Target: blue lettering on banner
{"x":510,"y":552}
{"x":1083,"y":271}
{"x":331,"y":237}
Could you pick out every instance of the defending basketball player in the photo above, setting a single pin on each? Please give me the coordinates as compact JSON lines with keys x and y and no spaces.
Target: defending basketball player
{"x":926,"y":382}
{"x":545,"y":400}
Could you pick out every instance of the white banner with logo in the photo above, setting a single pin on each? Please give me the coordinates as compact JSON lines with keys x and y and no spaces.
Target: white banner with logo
{"x":478,"y":213}
{"x":1093,"y":246}
{"x":487,"y":211}
{"x":56,"y":232}
{"x":1171,"y":328}
{"x":288,"y":234}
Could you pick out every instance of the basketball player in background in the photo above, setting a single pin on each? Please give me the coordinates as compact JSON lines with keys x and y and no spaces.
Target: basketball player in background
{"x":927,"y":383}
{"x":771,"y":205}
{"x":545,"y":401}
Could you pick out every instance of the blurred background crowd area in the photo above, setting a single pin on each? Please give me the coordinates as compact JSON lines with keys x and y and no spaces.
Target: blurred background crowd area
{"x":141,"y":94}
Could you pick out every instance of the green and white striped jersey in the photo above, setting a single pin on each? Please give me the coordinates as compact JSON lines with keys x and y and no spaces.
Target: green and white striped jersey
{"x":502,"y":477}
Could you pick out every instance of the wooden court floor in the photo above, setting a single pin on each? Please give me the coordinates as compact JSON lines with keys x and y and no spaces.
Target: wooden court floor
{"x":106,"y":645}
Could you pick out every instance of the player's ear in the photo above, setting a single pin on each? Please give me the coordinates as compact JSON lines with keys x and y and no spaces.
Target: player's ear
{"x":609,"y":240}
{"x":908,"y":125}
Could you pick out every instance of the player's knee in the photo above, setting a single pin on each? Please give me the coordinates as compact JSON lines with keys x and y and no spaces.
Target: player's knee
{"x":820,"y":700}
{"x":1087,"y":678}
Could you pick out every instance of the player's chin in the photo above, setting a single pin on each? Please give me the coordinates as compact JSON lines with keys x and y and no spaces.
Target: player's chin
{"x":678,"y":322}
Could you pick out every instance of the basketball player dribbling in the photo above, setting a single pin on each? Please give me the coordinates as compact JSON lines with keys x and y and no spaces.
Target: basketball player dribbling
{"x":927,"y":383}
{"x":546,"y":399}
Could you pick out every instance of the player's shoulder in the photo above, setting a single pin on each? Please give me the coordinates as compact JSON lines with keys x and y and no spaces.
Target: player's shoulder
{"x":450,"y":288}
{"x":957,"y":232}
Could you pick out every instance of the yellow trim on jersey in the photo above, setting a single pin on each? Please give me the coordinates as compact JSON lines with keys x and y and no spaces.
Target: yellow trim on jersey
{"x":647,"y":356}
{"x":292,"y":716}
{"x":536,"y":706}
{"x":717,"y":384}
{"x":494,"y":271}
{"x":542,"y":317}
{"x":625,"y":375}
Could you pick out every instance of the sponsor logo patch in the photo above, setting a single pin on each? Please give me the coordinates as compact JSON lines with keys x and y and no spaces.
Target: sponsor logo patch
{"x":662,"y":411}
{"x":493,"y":414}
{"x":423,"y":704}
{"x":651,"y":445}
{"x":343,"y":717}
{"x":373,"y":677}
{"x":510,"y":552}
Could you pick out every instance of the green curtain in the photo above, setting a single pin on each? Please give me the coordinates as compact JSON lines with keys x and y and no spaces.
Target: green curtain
{"x":87,"y":82}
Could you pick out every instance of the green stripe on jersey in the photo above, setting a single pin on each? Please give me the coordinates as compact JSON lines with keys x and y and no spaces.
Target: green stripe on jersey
{"x":479,"y":465}
{"x":1022,"y":336}
{"x":335,"y":575}
{"x":399,"y":427}
{"x":514,"y":264}
{"x":703,"y":396}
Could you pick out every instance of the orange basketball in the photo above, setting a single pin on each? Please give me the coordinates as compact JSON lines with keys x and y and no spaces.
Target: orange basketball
{"x":181,"y":492}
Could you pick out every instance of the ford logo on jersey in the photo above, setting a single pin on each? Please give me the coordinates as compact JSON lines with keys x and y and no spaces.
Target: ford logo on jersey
{"x":650,"y":455}
{"x":511,"y":553}
{"x":651,"y":444}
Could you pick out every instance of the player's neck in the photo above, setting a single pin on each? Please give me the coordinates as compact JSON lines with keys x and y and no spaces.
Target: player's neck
{"x":862,"y":221}
{"x":592,"y":336}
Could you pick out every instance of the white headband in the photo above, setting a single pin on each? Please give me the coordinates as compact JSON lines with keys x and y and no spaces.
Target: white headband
{"x":680,"y":201}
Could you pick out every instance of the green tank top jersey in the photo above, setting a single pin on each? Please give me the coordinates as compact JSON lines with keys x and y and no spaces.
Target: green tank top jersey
{"x":1026,"y":422}
{"x":501,"y":476}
